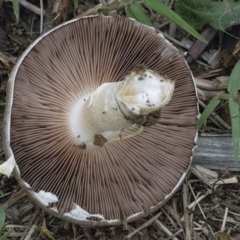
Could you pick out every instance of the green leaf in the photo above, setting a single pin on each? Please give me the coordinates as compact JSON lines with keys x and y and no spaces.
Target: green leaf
{"x":140,"y":15}
{"x":218,"y":14}
{"x":16,"y":9}
{"x":129,"y":12}
{"x":234,"y":79}
{"x":208,"y":110}
{"x":159,"y":7}
{"x":233,"y":84}
{"x":235,"y":120}
{"x":2,"y":218}
{"x":6,"y":235}
{"x":75,"y":3}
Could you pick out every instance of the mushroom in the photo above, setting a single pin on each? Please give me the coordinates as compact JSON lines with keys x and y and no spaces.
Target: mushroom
{"x":83,"y":133}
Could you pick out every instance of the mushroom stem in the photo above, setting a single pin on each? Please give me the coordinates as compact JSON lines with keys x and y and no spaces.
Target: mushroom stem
{"x":137,"y":99}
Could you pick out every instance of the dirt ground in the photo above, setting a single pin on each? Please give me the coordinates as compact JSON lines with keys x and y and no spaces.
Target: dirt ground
{"x":207,"y":206}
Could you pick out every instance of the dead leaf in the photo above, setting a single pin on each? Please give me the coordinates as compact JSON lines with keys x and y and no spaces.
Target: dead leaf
{"x":223,"y":236}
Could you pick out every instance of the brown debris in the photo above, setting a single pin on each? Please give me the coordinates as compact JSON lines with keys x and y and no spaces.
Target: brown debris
{"x":61,"y":10}
{"x":5,"y":60}
{"x":236,"y":52}
{"x":99,"y":140}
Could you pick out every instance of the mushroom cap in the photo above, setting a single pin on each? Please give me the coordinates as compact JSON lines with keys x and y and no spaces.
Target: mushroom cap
{"x":123,"y":180}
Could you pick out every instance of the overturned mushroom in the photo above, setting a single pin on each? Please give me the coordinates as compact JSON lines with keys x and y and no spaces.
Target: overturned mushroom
{"x":82,"y":131}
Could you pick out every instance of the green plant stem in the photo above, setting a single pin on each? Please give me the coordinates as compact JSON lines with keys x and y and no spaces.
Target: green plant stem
{"x":6,"y":235}
{"x":206,"y":95}
{"x":217,"y":118}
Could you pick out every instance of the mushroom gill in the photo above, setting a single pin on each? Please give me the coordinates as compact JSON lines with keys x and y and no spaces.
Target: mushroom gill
{"x":123,"y":179}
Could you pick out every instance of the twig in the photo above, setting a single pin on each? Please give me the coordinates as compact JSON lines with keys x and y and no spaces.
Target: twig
{"x":221,"y":82}
{"x":215,"y":135}
{"x":203,"y":64}
{"x":160,"y":225}
{"x":5,"y":194}
{"x":231,"y":180}
{"x":198,"y":46}
{"x":146,"y":224}
{"x":175,"y":234}
{"x":29,"y":6}
{"x":214,"y":55}
{"x":205,"y":84}
{"x":163,"y":25}
{"x":170,"y":219}
{"x":172,"y":39}
{"x":209,"y":222}
{"x":203,"y":174}
{"x":74,"y":228}
{"x":174,"y":214}
{"x":230,"y":206}
{"x":32,"y":229}
{"x":212,"y":129}
{"x":14,"y":226}
{"x":41,"y":16}
{"x":191,"y":215}
{"x":211,"y":73}
{"x":20,"y":194}
{"x":5,"y":60}
{"x":90,"y":11}
{"x":197,"y":200}
{"x":29,"y":225}
{"x":186,"y":215}
{"x":213,"y":120}
{"x":217,"y":117}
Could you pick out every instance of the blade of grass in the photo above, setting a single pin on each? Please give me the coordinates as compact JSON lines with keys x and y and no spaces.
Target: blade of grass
{"x":208,"y":110}
{"x":233,"y":84}
{"x":6,"y":235}
{"x":75,"y":4}
{"x":16,"y":9}
{"x":2,"y":218}
{"x":234,"y":79}
{"x":140,"y":15}
{"x":235,"y":120}
{"x":129,"y":12}
{"x":161,"y":8}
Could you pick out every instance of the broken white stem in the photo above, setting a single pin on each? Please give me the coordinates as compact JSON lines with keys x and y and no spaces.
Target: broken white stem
{"x":136,"y":99}
{"x":140,"y":93}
